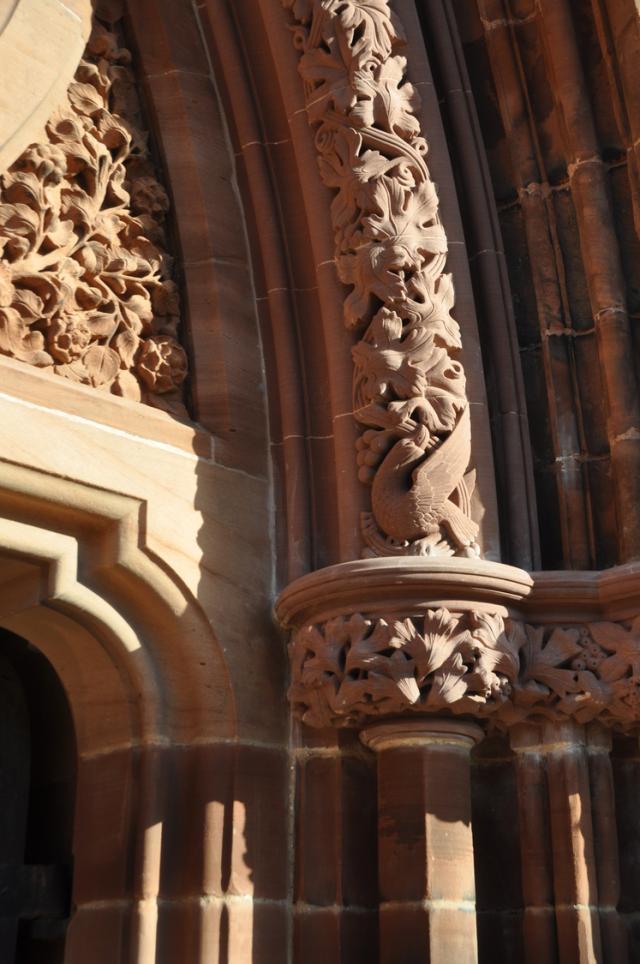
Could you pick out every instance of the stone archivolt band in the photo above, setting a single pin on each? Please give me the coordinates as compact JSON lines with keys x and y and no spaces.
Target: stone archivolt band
{"x":409,"y":389}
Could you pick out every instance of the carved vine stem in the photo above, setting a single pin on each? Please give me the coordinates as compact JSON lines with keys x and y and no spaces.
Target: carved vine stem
{"x":409,"y":390}
{"x":352,"y":669}
{"x":85,"y":283}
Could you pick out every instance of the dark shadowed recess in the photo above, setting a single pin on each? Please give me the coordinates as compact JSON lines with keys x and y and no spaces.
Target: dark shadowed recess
{"x":550,"y":205}
{"x":37,"y":790}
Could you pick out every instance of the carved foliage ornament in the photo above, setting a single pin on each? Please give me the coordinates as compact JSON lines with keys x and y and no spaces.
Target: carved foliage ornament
{"x":85,"y":287}
{"x":409,"y":390}
{"x":351,"y":669}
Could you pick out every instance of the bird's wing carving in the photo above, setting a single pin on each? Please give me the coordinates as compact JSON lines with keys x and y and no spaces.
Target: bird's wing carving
{"x":436,"y":477}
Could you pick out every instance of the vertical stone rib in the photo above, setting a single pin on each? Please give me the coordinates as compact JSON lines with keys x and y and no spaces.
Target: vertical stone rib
{"x":547,"y":272}
{"x":540,"y":941}
{"x":491,"y":285}
{"x":574,"y":867}
{"x":626,"y":774}
{"x":559,"y":813}
{"x":601,"y":256}
{"x":603,"y":805}
{"x":618,"y":27}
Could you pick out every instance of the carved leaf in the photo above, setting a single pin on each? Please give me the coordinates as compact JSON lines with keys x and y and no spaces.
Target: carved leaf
{"x":589,"y":700}
{"x":102,"y":365}
{"x":59,"y":234}
{"x":384,"y":100}
{"x":449,"y":684}
{"x":18,"y":340}
{"x":316,"y":654}
{"x":128,"y":386}
{"x":19,"y":225}
{"x":7,"y":288}
{"x":390,"y":365}
{"x":439,"y":319}
{"x":404,"y":217}
{"x":367,"y":28}
{"x":102,"y":324}
{"x":127,"y":344}
{"x":624,"y":646}
{"x":500,"y":651}
{"x":343,"y":169}
{"x":544,"y":663}
{"x":85,"y":98}
{"x":24,"y":187}
{"x":372,"y":651}
{"x":611,"y":637}
{"x":327,"y":72}
{"x":28,"y":303}
{"x":442,"y":637}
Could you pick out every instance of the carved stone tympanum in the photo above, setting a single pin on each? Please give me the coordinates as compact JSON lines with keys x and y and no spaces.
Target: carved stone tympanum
{"x":409,"y":389}
{"x":85,"y":285}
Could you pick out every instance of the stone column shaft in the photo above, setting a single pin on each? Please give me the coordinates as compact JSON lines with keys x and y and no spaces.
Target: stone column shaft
{"x":425,"y":846}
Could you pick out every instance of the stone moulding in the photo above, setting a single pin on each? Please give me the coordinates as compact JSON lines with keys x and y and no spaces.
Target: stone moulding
{"x":85,"y":285}
{"x":435,"y":651}
{"x":390,"y":248}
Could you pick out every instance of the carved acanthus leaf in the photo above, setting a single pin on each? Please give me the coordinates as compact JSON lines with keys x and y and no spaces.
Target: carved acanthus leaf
{"x":85,"y":280}
{"x":390,"y":248}
{"x":352,"y":669}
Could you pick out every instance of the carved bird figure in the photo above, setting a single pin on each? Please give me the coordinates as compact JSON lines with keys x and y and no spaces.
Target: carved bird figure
{"x":412,"y":488}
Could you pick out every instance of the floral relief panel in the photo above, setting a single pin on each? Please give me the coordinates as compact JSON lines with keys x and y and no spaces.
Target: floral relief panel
{"x":86,"y":289}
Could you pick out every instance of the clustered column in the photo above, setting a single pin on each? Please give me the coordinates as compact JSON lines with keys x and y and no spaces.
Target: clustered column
{"x":569,"y":847}
{"x":393,"y":650}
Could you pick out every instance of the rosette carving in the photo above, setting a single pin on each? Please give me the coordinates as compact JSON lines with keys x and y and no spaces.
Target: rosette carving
{"x":85,"y":280}
{"x":409,"y":389}
{"x":352,"y":669}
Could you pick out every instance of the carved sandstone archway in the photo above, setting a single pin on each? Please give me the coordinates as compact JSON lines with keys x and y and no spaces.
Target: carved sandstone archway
{"x":142,"y":672}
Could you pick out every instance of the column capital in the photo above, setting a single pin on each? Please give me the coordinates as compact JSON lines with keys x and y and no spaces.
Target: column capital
{"x":378,"y":639}
{"x":387,"y":638}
